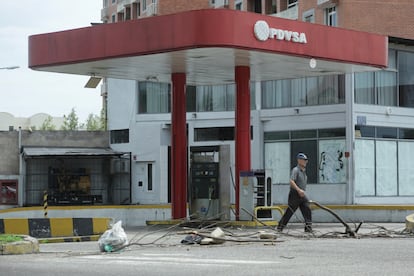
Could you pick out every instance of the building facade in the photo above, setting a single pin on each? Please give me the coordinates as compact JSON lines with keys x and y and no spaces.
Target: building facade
{"x":356,"y":128}
{"x":72,"y":167}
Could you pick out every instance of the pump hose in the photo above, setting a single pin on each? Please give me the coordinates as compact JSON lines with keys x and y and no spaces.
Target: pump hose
{"x":348,"y":229}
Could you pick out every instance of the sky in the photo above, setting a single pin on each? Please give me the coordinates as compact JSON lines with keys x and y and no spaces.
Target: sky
{"x":25,"y":92}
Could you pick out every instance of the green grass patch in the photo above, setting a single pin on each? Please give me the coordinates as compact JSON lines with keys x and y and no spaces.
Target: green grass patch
{"x":6,"y":238}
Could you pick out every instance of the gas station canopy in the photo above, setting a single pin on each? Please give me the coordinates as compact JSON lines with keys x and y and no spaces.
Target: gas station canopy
{"x":200,"y":47}
{"x":207,"y":45}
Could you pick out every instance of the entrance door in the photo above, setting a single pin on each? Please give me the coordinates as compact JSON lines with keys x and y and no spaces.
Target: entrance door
{"x":143,"y":182}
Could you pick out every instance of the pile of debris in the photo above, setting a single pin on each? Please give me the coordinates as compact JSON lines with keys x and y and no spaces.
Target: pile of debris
{"x":218,"y":236}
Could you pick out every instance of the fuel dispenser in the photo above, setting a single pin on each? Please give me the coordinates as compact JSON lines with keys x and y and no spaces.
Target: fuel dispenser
{"x":255,"y":191}
{"x":204,"y":184}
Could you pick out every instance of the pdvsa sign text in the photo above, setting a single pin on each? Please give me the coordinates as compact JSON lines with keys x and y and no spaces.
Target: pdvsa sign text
{"x":263,"y":32}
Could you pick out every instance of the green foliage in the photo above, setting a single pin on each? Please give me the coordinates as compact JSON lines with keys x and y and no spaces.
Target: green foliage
{"x":47,"y":124}
{"x":6,"y":238}
{"x":93,"y":122}
{"x":71,"y":121}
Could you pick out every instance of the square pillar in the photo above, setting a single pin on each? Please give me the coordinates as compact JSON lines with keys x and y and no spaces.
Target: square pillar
{"x":178,"y":147}
{"x":243,"y":137}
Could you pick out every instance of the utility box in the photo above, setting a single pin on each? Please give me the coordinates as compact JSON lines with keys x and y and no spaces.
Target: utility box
{"x":255,"y":191}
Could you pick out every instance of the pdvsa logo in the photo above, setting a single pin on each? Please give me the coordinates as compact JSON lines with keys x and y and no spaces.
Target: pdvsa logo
{"x":263,"y":32}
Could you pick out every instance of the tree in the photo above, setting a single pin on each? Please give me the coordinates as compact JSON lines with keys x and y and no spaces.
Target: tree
{"x":93,"y":122}
{"x":47,"y":124}
{"x":71,"y":121}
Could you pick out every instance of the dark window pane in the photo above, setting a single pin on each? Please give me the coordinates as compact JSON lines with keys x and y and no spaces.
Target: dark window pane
{"x":406,"y":80}
{"x":217,"y":134}
{"x":119,"y":136}
{"x":276,"y":135}
{"x":406,"y":133}
{"x":308,"y":147}
{"x":300,"y":134}
{"x":191,"y":98}
{"x":252,"y":96}
{"x":365,"y":131}
{"x":214,"y":134}
{"x":386,"y":132}
{"x":332,"y":132}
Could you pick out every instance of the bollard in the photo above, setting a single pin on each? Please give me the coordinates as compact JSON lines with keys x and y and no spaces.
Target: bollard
{"x":45,"y":203}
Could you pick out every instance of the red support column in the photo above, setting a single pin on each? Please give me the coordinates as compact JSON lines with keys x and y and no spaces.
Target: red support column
{"x":178,"y":147}
{"x":243,"y":155}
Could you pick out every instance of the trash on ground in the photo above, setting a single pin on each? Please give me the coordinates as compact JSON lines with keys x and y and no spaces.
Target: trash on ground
{"x":113,"y":239}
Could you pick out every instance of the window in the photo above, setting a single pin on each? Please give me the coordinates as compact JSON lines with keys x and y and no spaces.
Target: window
{"x":364,"y":88}
{"x":154,"y":97}
{"x":292,"y":3}
{"x":139,"y":9}
{"x":211,"y":98}
{"x":384,"y":132}
{"x":254,"y":6}
{"x":382,"y":161}
{"x":214,"y":98}
{"x":238,"y":5}
{"x":324,"y":147}
{"x":113,"y":18}
{"x":127,"y":13}
{"x":216,"y":134}
{"x":301,"y":92}
{"x":331,"y":17}
{"x":309,"y":16}
{"x":378,"y":88}
{"x":119,"y":136}
{"x":144,"y":5}
{"x":406,"y":133}
{"x":406,"y":78}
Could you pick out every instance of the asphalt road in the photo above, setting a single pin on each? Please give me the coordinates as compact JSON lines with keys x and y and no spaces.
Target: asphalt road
{"x":378,"y":251}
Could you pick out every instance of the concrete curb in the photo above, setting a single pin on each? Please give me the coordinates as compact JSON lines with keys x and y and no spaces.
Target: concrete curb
{"x":69,"y":239}
{"x":27,"y":246}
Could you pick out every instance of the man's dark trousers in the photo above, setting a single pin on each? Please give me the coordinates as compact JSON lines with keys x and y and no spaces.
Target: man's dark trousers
{"x":294,"y":202}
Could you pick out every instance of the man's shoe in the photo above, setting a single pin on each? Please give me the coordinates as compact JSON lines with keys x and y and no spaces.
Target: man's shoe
{"x":279,"y":229}
{"x":308,"y":229}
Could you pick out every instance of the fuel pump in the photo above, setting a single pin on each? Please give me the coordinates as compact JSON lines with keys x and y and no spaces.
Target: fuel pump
{"x":255,"y":191}
{"x":204,"y":184}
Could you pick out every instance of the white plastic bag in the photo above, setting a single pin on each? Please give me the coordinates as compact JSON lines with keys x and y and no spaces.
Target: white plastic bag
{"x":113,"y":239}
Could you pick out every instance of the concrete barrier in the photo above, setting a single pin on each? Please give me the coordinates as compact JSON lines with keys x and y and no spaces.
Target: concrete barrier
{"x":26,"y":246}
{"x":54,"y":227}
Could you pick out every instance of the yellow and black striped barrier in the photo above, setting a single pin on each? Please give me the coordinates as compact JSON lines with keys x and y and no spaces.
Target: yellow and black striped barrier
{"x":45,"y":203}
{"x":55,"y":227}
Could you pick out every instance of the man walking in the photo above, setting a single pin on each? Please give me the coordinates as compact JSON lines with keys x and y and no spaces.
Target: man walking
{"x":297,"y":196}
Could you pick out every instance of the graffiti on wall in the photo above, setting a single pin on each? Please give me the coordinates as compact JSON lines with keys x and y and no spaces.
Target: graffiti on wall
{"x":332,"y":162}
